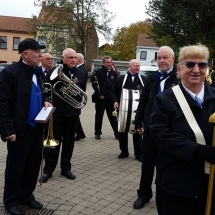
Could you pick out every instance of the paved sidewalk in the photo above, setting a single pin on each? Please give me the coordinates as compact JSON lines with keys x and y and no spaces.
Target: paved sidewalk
{"x":104,"y":184}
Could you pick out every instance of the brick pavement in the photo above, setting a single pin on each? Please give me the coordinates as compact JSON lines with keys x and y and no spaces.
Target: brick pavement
{"x":104,"y":184}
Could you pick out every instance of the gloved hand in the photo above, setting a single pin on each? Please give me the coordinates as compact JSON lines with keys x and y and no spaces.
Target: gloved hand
{"x":206,"y":153}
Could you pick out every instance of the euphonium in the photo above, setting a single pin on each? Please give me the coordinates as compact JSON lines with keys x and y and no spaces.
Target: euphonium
{"x":67,"y":89}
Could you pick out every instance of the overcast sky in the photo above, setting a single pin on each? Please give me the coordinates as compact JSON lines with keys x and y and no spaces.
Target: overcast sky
{"x":126,"y":11}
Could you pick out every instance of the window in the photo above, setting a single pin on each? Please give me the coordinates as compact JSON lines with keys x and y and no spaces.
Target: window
{"x":42,"y":41}
{"x":143,"y":55}
{"x":3,"y":42}
{"x":16,"y":41}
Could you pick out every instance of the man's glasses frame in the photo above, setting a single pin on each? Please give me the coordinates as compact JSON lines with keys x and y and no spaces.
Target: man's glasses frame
{"x":191,"y":64}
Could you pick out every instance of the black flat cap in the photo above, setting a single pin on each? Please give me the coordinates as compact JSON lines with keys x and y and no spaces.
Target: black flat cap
{"x":29,"y":44}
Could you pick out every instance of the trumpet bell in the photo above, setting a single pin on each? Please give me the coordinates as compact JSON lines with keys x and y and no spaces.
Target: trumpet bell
{"x":56,"y":72}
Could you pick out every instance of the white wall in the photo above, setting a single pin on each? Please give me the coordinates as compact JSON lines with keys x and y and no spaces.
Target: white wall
{"x":150,"y":55}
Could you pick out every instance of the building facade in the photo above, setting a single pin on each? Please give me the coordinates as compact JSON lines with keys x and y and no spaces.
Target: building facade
{"x":146,"y":52}
{"x":12,"y":31}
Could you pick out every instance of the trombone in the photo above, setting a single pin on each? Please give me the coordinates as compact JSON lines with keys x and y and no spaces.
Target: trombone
{"x":49,"y":142}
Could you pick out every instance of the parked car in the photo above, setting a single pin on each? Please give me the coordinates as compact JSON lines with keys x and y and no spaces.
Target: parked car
{"x":1,"y":68}
{"x":4,"y":64}
{"x":144,"y":70}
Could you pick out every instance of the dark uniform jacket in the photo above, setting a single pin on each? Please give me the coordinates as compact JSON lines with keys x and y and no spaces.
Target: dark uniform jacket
{"x":62,"y":107}
{"x":147,"y":97}
{"x":84,"y":69}
{"x":135,"y":85}
{"x":179,"y":170}
{"x":15,"y":94}
{"x":105,"y":86}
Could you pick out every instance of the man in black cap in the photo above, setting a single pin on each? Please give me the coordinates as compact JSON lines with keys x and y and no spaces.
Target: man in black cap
{"x":21,"y":99}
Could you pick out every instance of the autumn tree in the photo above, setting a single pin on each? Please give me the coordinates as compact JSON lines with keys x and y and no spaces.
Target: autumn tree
{"x":125,"y":39}
{"x":182,"y":22}
{"x":107,"y":50}
{"x":73,"y":21}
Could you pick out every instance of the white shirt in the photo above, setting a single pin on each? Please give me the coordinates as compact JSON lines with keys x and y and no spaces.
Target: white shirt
{"x":200,"y":95}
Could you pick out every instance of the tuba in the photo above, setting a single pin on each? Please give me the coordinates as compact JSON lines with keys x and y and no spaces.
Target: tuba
{"x":209,"y":73}
{"x":208,"y":76}
{"x":67,"y":89}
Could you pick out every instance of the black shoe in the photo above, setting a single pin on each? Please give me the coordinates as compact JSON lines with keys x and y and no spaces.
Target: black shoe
{"x":79,"y":138}
{"x":69,"y":175}
{"x":16,"y":210}
{"x":139,"y":158}
{"x":32,"y":204}
{"x":123,"y":155}
{"x":45,"y":178}
{"x":97,"y":137}
{"x":139,"y":203}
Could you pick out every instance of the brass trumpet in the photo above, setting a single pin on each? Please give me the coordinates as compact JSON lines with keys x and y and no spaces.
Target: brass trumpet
{"x":67,"y":89}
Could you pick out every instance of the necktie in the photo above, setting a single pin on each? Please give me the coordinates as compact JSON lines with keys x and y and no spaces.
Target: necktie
{"x":45,"y":71}
{"x":160,"y":74}
{"x":134,"y":75}
{"x":198,"y":101}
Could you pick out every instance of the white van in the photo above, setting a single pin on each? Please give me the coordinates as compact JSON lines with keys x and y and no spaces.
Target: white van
{"x":146,"y":70}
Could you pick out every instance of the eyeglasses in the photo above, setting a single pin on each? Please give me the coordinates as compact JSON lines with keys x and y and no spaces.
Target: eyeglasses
{"x":191,"y":64}
{"x":49,"y":58}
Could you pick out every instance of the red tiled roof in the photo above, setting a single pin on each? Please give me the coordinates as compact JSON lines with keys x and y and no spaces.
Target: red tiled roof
{"x":15,"y":24}
{"x":143,"y":40}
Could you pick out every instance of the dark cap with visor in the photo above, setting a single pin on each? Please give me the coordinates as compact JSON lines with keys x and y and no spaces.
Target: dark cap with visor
{"x":29,"y":44}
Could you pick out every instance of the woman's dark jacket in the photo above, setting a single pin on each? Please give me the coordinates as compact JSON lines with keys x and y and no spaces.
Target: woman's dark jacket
{"x":147,"y":97}
{"x":62,"y":107}
{"x":15,"y":94}
{"x":179,"y":170}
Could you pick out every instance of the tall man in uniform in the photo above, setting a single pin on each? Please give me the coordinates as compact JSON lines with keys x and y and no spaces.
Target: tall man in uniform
{"x":135,"y":82}
{"x":21,"y":100}
{"x":65,"y":120}
{"x":103,"y":81}
{"x":157,"y":82}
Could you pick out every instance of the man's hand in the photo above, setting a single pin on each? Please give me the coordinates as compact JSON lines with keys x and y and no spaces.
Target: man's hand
{"x":11,"y":137}
{"x":47,"y":104}
{"x":140,"y":131}
{"x":101,"y":97}
{"x":116,"y":105}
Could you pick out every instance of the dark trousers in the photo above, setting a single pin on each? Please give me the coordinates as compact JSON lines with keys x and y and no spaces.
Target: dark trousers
{"x":101,"y":105}
{"x":64,"y":129}
{"x":80,"y":132}
{"x":137,"y":141}
{"x":22,"y":166}
{"x":148,"y":166}
{"x":169,"y":204}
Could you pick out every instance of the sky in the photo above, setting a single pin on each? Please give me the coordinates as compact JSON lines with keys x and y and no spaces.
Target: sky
{"x":126,"y":11}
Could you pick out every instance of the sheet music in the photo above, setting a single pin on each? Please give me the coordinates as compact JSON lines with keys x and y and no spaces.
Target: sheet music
{"x":44,"y":114}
